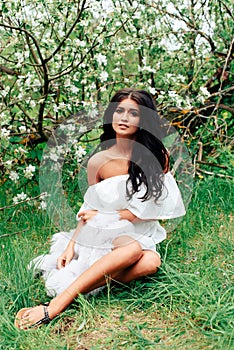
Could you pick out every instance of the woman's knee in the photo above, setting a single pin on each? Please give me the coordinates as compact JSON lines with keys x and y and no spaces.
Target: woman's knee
{"x":128,"y":246}
{"x":151,"y":261}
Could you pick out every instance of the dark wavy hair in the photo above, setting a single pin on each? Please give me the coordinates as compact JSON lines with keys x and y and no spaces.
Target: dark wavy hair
{"x":149,"y":159}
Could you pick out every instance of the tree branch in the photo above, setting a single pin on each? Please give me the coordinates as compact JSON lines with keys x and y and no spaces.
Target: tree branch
{"x":227,"y":9}
{"x":14,"y":233}
{"x":227,"y":108}
{"x":22,"y":30}
{"x":189,"y":24}
{"x":212,"y":173}
{"x":24,"y":201}
{"x":68,"y":33}
{"x":8,"y":70}
{"x":37,"y":65}
{"x":230,"y":51}
{"x":212,"y":164}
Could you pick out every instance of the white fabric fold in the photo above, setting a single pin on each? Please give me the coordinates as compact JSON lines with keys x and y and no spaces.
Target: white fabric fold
{"x":96,"y":237}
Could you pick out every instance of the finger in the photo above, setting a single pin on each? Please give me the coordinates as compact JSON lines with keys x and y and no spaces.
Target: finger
{"x":60,"y":266}
{"x":67,"y":262}
{"x":60,"y":263}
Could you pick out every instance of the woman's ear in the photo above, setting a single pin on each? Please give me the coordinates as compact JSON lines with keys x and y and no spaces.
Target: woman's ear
{"x":167,"y":165}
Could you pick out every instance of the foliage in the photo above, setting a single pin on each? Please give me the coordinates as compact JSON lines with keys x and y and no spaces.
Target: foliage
{"x":63,"y":58}
{"x":60,"y":59}
{"x":188,"y":304}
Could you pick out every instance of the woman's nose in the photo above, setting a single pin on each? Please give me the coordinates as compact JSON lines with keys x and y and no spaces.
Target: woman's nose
{"x":124,"y":116}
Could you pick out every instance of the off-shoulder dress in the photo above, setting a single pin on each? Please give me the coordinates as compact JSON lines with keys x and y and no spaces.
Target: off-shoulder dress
{"x":95,"y":238}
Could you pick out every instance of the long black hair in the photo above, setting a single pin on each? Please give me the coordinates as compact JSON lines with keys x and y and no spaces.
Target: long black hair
{"x":149,"y":159}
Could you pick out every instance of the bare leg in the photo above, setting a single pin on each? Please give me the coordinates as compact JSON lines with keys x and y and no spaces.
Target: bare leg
{"x":147,"y":265}
{"x":109,"y":265}
{"x":124,"y":264}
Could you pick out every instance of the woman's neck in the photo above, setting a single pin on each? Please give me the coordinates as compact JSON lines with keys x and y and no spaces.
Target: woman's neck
{"x":124,"y":147}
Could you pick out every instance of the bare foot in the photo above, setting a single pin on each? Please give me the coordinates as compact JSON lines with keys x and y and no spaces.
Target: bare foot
{"x":29,"y":316}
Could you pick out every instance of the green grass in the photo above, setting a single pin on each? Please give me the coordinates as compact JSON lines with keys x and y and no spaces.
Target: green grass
{"x":188,"y":304}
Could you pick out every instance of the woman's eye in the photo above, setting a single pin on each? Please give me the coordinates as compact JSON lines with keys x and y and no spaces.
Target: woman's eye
{"x":122,"y":110}
{"x":119,"y":110}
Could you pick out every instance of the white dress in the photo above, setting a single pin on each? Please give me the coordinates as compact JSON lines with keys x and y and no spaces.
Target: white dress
{"x":95,"y":238}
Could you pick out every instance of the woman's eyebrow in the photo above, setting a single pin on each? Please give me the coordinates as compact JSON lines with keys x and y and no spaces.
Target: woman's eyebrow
{"x":134,"y":110}
{"x":130,"y":109}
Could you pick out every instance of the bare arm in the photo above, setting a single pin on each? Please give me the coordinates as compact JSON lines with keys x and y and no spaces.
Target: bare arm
{"x":126,"y":214}
{"x":66,"y":257}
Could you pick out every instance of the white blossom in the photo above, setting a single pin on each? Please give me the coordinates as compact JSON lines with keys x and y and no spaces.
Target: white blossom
{"x":107,"y":5}
{"x":5,"y":133}
{"x":103,"y":88}
{"x":42,"y":205}
{"x":181,"y":78}
{"x":22,"y":128}
{"x":56,"y":109}
{"x":8,"y":163}
{"x":20,"y":57}
{"x":20,"y":197}
{"x":80,"y":43}
{"x":74,"y":89}
{"x":5,"y":92}
{"x":62,"y":105}
{"x":54,"y":156}
{"x":32,"y":103}
{"x":137,"y":15}
{"x":14,"y":176}
{"x":92,"y":86}
{"x":29,"y":170}
{"x":172,"y":94}
{"x":22,"y":150}
{"x":92,"y":113}
{"x":101,"y":59}
{"x":70,"y":127}
{"x":80,"y":152}
{"x":67,"y":82}
{"x":152,"y":90}
{"x":61,"y":33}
{"x":103,"y":76}
{"x":83,"y":128}
{"x":204,"y":91}
{"x":175,"y":98}
{"x":44,"y":195}
{"x":116,"y":70}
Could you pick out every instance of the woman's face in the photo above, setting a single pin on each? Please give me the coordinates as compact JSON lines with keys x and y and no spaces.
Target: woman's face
{"x":126,"y":119}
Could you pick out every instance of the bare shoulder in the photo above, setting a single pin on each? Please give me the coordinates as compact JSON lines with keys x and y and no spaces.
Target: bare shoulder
{"x":94,"y":165}
{"x":98,"y":158}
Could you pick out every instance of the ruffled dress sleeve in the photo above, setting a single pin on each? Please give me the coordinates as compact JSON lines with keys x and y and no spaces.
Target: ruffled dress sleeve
{"x":169,"y":206}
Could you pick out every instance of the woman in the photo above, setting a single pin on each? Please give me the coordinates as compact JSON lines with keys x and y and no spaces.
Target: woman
{"x":130,"y":188}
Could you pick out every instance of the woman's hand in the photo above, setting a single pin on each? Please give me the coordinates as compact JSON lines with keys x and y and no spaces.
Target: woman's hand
{"x":66,"y":257}
{"x":86,"y":215}
{"x":68,"y":254}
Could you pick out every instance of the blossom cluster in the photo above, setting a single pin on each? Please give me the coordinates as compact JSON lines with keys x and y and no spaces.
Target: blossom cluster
{"x":52,"y":73}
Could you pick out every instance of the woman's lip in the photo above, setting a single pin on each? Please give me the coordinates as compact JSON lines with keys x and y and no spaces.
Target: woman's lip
{"x":123,"y":125}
